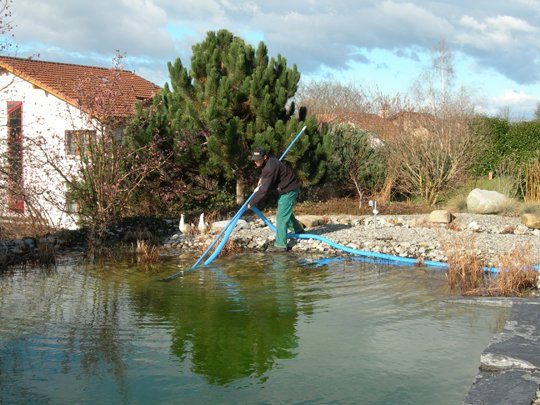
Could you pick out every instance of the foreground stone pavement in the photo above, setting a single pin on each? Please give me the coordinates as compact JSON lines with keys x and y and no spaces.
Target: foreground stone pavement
{"x":509,"y":370}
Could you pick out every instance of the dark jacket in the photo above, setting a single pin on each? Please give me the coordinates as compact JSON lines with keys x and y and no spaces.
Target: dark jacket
{"x":275,"y":174}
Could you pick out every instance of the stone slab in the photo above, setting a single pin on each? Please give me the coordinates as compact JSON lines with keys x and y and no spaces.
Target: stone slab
{"x":510,"y":365}
{"x":503,"y":388}
{"x":518,"y":345}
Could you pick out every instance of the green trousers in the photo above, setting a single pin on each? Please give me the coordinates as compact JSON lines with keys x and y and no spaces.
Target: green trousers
{"x":285,"y":218}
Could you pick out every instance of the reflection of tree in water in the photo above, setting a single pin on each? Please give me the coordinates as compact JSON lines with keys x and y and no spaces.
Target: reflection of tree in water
{"x":229,"y":323}
{"x":95,"y":336}
{"x":82,"y":313}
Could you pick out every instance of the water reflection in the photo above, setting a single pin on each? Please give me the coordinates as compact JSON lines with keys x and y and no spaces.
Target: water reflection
{"x":66,"y":321}
{"x":228,"y":323}
{"x":253,"y":328}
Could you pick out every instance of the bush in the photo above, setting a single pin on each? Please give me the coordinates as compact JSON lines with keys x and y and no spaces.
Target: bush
{"x":355,"y":166}
{"x":433,"y":153}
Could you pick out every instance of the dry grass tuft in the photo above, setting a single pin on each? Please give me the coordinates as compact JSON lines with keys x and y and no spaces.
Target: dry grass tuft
{"x":516,"y":274}
{"x":466,"y":272}
{"x":146,"y":252}
{"x":230,"y":248}
{"x":46,"y":254}
{"x":465,"y":267}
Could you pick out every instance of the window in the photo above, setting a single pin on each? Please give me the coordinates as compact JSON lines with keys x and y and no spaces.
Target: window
{"x":15,"y":157}
{"x":77,"y":141}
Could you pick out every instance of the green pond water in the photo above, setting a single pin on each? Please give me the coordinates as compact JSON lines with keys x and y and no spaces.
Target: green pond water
{"x":252,"y":328}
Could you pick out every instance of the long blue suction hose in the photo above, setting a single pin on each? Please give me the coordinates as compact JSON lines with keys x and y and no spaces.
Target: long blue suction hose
{"x":374,"y":255}
{"x":364,"y":253}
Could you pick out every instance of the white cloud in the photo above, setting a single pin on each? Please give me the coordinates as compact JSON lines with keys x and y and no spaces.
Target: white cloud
{"x":497,"y":34}
{"x":509,"y":23}
{"x":516,"y":103}
{"x":514,"y":98}
{"x":470,"y":22}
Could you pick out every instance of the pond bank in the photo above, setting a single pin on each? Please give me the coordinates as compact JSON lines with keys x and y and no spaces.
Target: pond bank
{"x":509,"y":369}
{"x":412,"y":236}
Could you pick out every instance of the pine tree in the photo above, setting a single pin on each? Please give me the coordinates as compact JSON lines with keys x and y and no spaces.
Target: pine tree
{"x":233,"y":97}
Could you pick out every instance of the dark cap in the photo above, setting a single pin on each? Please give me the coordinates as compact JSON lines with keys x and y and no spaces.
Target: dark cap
{"x":258,"y":154}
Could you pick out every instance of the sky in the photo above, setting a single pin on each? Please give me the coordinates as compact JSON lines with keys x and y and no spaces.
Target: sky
{"x":383,"y":45}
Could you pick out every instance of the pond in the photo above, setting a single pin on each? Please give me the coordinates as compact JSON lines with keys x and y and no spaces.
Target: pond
{"x":253,"y":328}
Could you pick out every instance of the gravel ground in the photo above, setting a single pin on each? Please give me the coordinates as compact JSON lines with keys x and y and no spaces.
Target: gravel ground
{"x":401,"y":235}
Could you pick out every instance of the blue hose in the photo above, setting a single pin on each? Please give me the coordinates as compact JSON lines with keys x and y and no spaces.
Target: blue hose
{"x":364,"y":253}
{"x":367,"y":254}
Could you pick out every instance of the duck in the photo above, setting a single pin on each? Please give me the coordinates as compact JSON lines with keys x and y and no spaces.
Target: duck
{"x":202,"y":227}
{"x":182,"y":226}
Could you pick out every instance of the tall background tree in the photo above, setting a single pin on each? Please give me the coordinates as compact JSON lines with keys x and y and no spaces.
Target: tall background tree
{"x":232,"y":98}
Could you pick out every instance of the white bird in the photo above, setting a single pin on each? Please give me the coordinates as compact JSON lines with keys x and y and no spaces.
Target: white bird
{"x":202,"y":227}
{"x":184,"y":228}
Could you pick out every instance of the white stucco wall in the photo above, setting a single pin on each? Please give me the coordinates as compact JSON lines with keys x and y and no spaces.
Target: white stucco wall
{"x":45,"y":118}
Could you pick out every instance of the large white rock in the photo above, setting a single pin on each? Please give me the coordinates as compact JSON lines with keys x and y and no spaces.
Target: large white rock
{"x":486,"y":202}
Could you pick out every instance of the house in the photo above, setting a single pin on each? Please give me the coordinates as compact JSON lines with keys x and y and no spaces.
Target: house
{"x":383,"y":126}
{"x":48,"y":109}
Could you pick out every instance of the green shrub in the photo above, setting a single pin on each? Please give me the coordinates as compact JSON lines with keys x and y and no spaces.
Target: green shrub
{"x":355,"y":166}
{"x":517,"y":142}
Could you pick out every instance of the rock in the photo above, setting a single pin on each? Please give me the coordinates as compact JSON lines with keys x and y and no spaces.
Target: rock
{"x":474,"y":227}
{"x":486,"y":201}
{"x":521,"y":230}
{"x":29,"y":243}
{"x":310,"y":221}
{"x":531,"y":221}
{"x":441,"y":216}
{"x":219,"y":225}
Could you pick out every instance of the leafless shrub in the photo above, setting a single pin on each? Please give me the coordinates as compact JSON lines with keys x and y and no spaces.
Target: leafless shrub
{"x":101,"y":175}
{"x":434,"y":152}
{"x":332,"y":101}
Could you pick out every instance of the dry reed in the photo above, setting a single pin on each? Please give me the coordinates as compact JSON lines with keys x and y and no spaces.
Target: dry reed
{"x":45,"y":254}
{"x":466,"y":272}
{"x":532,"y":181}
{"x":465,"y":267}
{"x":230,"y":247}
{"x":516,"y":274}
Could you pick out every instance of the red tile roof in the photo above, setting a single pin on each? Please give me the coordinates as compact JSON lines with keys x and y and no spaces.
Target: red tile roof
{"x":98,"y":91}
